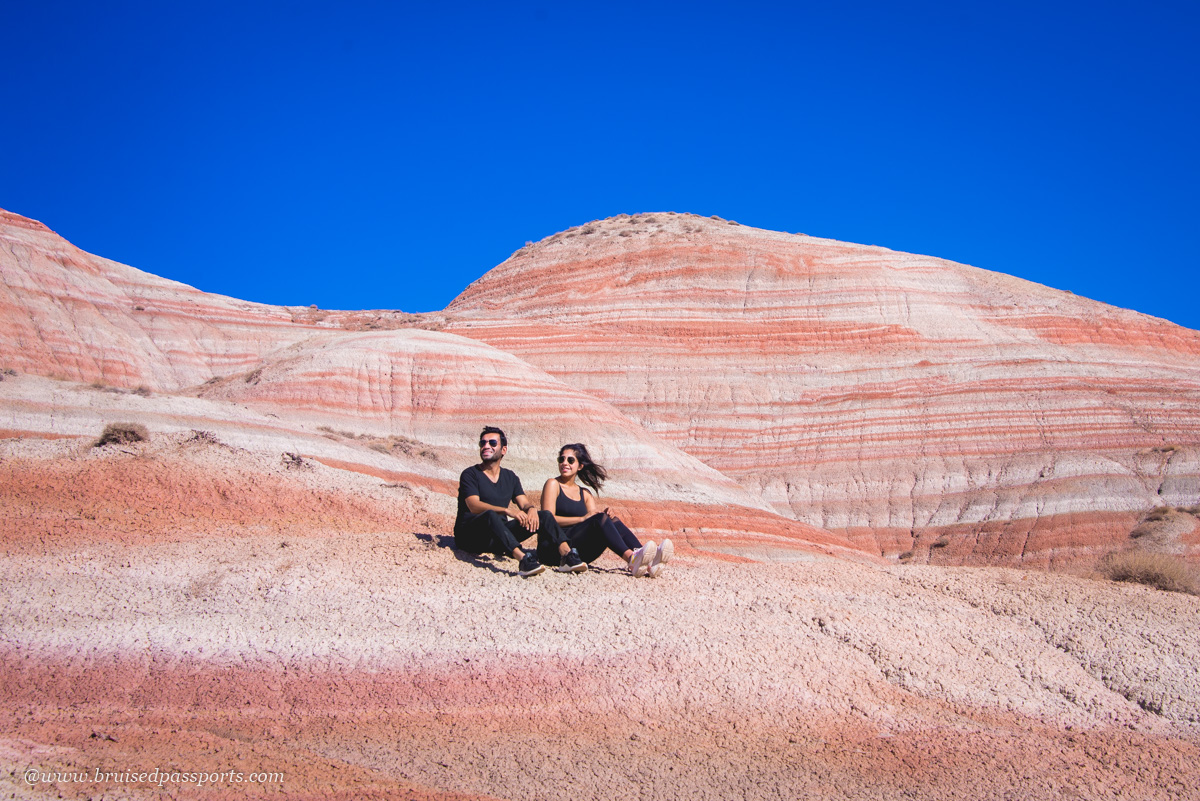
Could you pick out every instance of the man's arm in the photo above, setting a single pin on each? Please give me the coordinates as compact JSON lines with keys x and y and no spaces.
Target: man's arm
{"x":476,"y":506}
{"x":529,"y":513}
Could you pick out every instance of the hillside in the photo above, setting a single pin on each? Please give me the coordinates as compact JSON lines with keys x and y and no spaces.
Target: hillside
{"x":929,"y":410}
{"x":268,"y":584}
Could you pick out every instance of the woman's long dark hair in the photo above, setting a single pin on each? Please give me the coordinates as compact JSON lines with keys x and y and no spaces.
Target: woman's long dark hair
{"x":589,"y":473}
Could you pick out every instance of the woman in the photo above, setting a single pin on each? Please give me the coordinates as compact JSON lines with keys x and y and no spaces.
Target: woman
{"x":590,"y":530}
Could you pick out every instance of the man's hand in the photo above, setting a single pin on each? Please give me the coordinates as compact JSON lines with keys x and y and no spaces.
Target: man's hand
{"x":529,"y":518}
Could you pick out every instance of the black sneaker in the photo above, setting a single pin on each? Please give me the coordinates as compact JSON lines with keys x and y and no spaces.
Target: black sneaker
{"x":530,"y":566}
{"x":571,"y":563}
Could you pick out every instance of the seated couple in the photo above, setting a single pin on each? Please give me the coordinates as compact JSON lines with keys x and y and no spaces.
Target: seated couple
{"x":486,"y":491}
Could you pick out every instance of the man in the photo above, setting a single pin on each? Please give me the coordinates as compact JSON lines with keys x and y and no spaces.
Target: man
{"x":485,"y":494}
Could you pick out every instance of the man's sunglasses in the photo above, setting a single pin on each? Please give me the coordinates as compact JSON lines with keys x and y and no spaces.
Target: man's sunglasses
{"x":567,"y":459}
{"x":493,"y":442}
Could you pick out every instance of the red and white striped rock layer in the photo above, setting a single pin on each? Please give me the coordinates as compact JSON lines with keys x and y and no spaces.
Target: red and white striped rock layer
{"x":71,"y":316}
{"x":914,"y":403}
{"x":909,"y":404}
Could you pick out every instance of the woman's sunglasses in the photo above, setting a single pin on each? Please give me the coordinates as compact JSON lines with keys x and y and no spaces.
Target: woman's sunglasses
{"x":567,"y":459}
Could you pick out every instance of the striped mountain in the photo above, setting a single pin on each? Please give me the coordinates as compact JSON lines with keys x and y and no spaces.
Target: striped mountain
{"x":927,"y":409}
{"x":377,"y":392}
{"x":756,"y":391}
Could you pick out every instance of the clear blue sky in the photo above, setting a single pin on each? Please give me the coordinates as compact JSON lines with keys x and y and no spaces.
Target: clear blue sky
{"x":380,"y":155}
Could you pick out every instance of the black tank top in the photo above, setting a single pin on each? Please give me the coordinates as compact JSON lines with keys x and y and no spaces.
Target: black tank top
{"x":565,"y":507}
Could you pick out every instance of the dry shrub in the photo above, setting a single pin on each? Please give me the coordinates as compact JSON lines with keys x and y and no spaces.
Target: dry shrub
{"x":388,"y":445}
{"x":1159,"y":570}
{"x":1157,"y":513}
{"x":294,"y":461}
{"x":122,"y":434}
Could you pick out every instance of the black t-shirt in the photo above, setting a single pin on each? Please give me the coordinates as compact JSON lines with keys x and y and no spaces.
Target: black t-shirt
{"x":474,"y":482}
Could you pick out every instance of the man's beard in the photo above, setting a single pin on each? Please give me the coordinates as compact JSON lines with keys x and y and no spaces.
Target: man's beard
{"x":493,"y":459}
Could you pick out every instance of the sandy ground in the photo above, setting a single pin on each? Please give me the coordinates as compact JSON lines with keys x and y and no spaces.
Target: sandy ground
{"x":189,"y":606}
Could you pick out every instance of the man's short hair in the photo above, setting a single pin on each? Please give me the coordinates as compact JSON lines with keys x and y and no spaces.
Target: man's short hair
{"x":494,"y":430}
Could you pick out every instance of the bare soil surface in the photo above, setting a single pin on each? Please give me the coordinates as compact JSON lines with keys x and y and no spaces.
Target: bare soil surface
{"x":190,"y":606}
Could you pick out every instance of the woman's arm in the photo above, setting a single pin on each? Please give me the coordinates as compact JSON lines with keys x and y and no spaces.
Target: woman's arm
{"x":549,"y":495}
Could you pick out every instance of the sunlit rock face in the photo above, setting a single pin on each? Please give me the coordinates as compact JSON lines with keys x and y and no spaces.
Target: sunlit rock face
{"x":71,"y":315}
{"x":930,"y":410}
{"x":405,"y":400}
{"x":917,"y":408}
{"x":440,"y":389}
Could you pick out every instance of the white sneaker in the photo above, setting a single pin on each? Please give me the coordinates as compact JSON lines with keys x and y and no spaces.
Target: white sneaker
{"x":639,"y":563}
{"x":664,"y":554}
{"x":665,"y":551}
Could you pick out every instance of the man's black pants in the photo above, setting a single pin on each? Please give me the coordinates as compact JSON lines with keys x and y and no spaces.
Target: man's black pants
{"x":493,"y":532}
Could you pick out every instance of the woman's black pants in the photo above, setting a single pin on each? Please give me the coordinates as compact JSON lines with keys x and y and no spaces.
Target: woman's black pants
{"x":590,"y":538}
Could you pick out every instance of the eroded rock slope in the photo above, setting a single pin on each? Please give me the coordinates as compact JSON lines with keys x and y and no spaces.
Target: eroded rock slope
{"x":908,"y":401}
